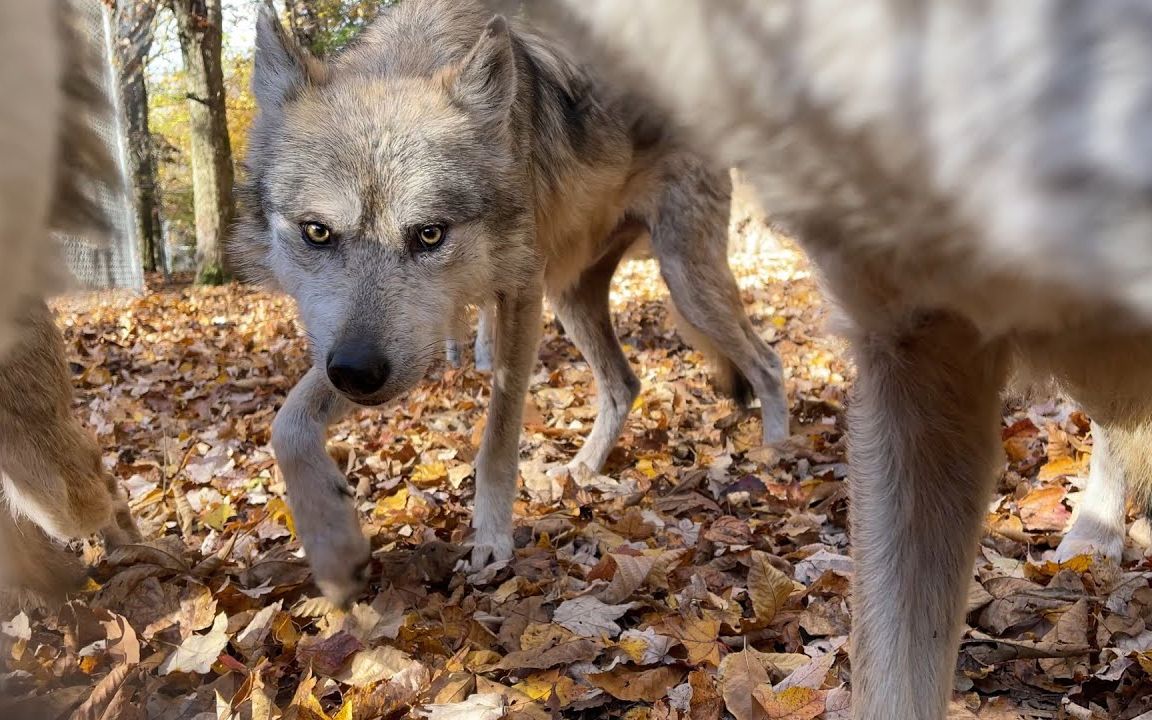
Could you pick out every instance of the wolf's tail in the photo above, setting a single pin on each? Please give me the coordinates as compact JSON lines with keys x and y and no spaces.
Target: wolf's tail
{"x":726,"y":377}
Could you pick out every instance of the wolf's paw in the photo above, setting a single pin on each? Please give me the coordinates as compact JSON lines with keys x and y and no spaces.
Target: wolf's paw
{"x":1090,"y":539}
{"x":488,"y":549}
{"x":341,"y":560}
{"x":776,"y":424}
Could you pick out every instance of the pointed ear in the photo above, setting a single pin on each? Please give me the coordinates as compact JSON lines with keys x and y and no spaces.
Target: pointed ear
{"x":281,"y":67}
{"x":485,"y":80}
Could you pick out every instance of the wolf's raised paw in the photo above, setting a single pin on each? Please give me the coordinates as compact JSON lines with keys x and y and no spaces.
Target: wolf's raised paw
{"x":340,"y":562}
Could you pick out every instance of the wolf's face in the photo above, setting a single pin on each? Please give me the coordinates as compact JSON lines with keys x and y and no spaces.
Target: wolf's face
{"x":389,"y":204}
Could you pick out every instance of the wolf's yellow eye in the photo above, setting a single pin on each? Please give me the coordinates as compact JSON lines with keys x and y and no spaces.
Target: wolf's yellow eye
{"x":316,"y":233}
{"x":431,"y":235}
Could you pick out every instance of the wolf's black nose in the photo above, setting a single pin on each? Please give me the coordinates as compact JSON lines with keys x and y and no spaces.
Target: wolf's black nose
{"x":358,"y":371}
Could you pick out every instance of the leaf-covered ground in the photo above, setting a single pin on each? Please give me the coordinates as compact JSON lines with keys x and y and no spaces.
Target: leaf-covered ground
{"x":699,"y":577}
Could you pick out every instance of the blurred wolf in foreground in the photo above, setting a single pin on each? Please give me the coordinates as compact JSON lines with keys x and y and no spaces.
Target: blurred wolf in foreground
{"x":445,"y":160}
{"x":52,"y":483}
{"x":974,"y":181}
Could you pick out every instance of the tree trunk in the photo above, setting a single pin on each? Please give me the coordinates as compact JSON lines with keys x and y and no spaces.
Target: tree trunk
{"x":133,"y":43}
{"x":199,"y":24}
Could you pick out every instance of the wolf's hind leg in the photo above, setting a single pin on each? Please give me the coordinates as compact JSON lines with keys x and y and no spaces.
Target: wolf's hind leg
{"x":583,"y":310}
{"x":690,"y":239}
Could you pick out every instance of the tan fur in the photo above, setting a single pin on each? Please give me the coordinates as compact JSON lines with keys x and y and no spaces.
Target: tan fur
{"x":53,"y":165}
{"x":541,"y":175}
{"x":53,"y":485}
{"x":972,"y":180}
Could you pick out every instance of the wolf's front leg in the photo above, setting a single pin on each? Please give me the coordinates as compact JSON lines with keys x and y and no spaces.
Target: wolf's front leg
{"x":318,"y":492}
{"x":924,"y":456}
{"x":517,"y":329}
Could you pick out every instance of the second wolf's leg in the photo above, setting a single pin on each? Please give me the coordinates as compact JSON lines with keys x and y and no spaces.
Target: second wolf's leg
{"x":517,"y":321}
{"x":1099,"y":526}
{"x":690,"y":239}
{"x":924,"y":456}
{"x":52,"y":468}
{"x":583,"y":310}
{"x":1113,"y":383}
{"x":318,"y":492}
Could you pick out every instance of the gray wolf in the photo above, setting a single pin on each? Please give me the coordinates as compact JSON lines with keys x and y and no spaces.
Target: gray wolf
{"x":449,"y":159}
{"x":52,"y":484}
{"x":974,"y":182}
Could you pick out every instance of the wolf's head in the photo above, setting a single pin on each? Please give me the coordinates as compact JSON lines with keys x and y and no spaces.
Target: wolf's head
{"x":387,"y":189}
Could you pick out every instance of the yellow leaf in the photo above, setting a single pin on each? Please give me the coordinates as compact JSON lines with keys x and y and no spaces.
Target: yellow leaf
{"x":481,"y":660}
{"x":345,"y":712}
{"x":634,"y":647}
{"x":279,"y":511}
{"x":539,"y":686}
{"x":794,"y":703}
{"x":393,"y":503}
{"x":429,"y":474}
{"x":217,"y":516}
{"x":645,"y":466}
{"x":1060,"y":467}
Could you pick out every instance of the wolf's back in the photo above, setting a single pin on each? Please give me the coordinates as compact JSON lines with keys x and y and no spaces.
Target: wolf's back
{"x":991,"y":158}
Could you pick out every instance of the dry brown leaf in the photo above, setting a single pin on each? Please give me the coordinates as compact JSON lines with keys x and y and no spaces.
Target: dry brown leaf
{"x":768,"y":588}
{"x":700,"y":637}
{"x":328,"y":656}
{"x":625,"y":683}
{"x":109,"y":699}
{"x":741,"y":674}
{"x":631,"y":572}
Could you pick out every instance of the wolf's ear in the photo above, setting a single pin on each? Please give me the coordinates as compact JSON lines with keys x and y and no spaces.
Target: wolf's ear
{"x":486,"y":79}
{"x":281,"y":67}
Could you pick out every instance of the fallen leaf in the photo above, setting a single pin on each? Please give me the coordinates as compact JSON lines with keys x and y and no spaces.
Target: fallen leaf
{"x":589,"y":617}
{"x":625,"y":683}
{"x":768,"y":588}
{"x":198,"y":652}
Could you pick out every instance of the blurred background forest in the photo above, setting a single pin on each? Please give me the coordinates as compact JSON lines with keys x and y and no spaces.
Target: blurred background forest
{"x":183,"y":70}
